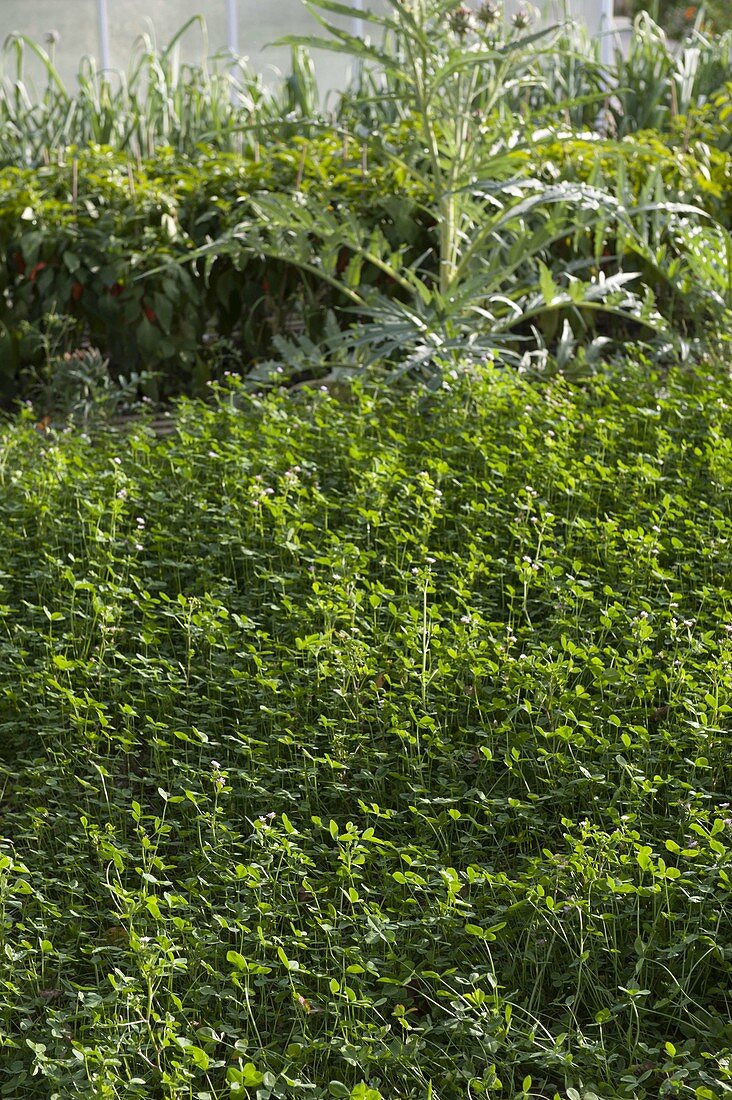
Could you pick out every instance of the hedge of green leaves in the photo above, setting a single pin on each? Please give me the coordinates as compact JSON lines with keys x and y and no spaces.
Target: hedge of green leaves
{"x":78,"y":237}
{"x":106,"y":245}
{"x":375,"y":749}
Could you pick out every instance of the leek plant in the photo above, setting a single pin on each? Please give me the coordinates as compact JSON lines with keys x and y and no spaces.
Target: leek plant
{"x":159,"y":102}
{"x":658,"y":82}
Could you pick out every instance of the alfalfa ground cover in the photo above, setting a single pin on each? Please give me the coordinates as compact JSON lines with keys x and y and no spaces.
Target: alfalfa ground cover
{"x":371,"y":748}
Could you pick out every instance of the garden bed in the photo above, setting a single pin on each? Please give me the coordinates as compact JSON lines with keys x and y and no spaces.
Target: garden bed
{"x":373,"y":748}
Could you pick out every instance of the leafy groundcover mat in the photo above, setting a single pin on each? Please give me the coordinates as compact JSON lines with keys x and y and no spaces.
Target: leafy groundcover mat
{"x":371,"y":748}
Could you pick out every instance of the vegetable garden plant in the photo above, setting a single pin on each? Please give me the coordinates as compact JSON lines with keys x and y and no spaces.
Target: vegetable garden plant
{"x":363,"y":740}
{"x":476,"y":189}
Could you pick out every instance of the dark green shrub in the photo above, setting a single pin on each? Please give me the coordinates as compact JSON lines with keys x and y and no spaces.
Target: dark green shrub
{"x":78,"y":237}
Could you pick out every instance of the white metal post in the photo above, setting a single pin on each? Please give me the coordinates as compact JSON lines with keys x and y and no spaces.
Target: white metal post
{"x":357,"y":22}
{"x":232,"y":28}
{"x":103,"y":27}
{"x":607,"y":27}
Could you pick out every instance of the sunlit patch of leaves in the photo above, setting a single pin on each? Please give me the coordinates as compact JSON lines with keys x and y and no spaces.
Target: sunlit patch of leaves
{"x":371,"y":748}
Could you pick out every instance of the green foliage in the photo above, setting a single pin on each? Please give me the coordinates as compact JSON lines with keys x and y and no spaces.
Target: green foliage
{"x":685,"y":260}
{"x":158,"y":103}
{"x":458,"y":202}
{"x":678,"y":16}
{"x":448,"y":83}
{"x":710,"y":123}
{"x":373,"y":749}
{"x":687,"y":168}
{"x":659,"y":81}
{"x":74,"y":238}
{"x":78,"y":236}
{"x":122,"y":253}
{"x":220,"y":103}
{"x":453,"y":76}
{"x":650,"y":84}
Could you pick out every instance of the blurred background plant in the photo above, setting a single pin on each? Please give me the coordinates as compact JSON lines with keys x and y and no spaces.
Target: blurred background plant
{"x":678,"y":16}
{"x":658,"y":81}
{"x":158,"y":102}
